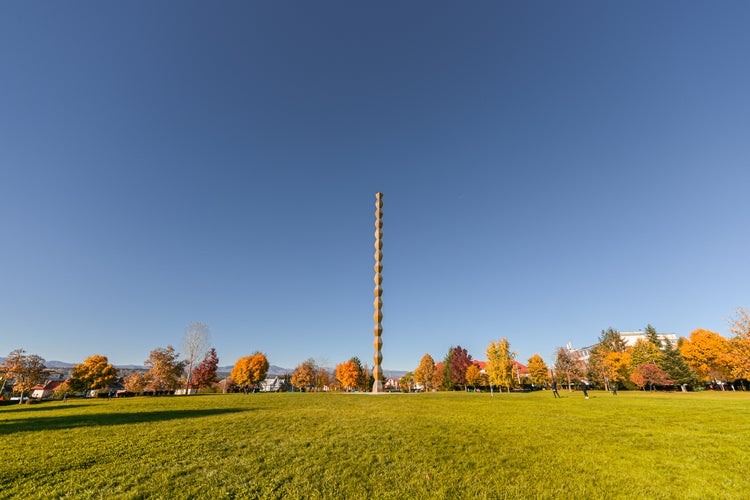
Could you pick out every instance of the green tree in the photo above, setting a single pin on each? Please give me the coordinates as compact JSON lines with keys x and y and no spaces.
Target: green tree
{"x":644,"y":351}
{"x":425,"y":372}
{"x":612,"y":340}
{"x":447,"y":374}
{"x":26,"y":370}
{"x":406,"y":382}
{"x":164,"y":369}
{"x":652,"y":336}
{"x":675,"y":367}
{"x":599,"y":361}
{"x":538,"y":370}
{"x":499,"y":366}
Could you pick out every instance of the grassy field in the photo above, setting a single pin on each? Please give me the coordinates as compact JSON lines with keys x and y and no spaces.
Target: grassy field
{"x":444,"y":445}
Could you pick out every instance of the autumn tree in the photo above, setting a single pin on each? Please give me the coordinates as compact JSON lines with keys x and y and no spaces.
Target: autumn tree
{"x":538,"y":370}
{"x":706,"y":352}
{"x":457,"y":362}
{"x":644,"y":351}
{"x":347,"y":374}
{"x":610,"y":341}
{"x":438,"y":376}
{"x":616,"y":368}
{"x":194,"y":347}
{"x":322,"y":377}
{"x":250,"y":370}
{"x":26,"y":370}
{"x":94,"y":373}
{"x":649,"y":374}
{"x":499,"y":365}
{"x":164,"y":369}
{"x":362,"y":374}
{"x":136,"y":382}
{"x":205,"y":373}
{"x":567,"y":366}
{"x":474,"y":375}
{"x":425,"y":372}
{"x":304,"y":375}
{"x":739,"y":326}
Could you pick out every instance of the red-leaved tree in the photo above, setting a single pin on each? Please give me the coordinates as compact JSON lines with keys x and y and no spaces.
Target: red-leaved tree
{"x":459,"y":363}
{"x":651,"y":375}
{"x":205,"y":373}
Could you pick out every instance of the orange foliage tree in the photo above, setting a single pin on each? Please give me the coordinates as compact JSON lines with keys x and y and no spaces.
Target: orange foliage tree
{"x":708,"y":353}
{"x":538,"y":370}
{"x":739,"y":325}
{"x":304,"y":375}
{"x":347,"y":374}
{"x":94,"y":373}
{"x":250,"y":370}
{"x":425,"y":372}
{"x":473,"y":375}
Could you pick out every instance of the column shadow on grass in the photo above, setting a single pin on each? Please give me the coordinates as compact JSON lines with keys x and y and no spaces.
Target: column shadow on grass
{"x":37,"y":408}
{"x":107,"y":419}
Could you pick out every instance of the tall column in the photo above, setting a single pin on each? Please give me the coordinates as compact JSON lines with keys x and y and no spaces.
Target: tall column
{"x":377,"y":372}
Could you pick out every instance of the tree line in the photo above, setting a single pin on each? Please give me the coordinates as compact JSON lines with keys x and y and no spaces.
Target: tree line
{"x":704,"y":358}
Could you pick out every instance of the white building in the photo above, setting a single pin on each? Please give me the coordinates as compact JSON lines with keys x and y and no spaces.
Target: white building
{"x":630,"y":339}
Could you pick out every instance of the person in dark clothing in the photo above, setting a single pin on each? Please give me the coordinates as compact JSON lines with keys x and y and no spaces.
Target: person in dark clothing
{"x":554,"y":389}
{"x":585,"y":389}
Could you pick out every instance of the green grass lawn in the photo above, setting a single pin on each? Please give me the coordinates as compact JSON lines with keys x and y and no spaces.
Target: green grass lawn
{"x":444,"y":445}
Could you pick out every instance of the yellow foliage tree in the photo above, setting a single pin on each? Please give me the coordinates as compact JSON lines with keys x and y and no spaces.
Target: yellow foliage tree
{"x":425,"y":372}
{"x":473,"y":375}
{"x":94,"y":373}
{"x":617,"y":366}
{"x":250,"y":370}
{"x":499,"y":366}
{"x":347,"y":374}
{"x":304,"y":375}
{"x":538,"y":370}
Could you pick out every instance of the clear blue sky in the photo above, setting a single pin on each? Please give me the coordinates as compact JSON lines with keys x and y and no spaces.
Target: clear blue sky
{"x":550,"y":169}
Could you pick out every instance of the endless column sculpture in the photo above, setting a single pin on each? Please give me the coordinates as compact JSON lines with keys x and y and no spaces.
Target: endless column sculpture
{"x":377,"y":372}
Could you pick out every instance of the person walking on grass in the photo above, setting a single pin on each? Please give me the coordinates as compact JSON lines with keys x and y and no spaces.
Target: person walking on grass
{"x":584,"y":388}
{"x":554,"y":390}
